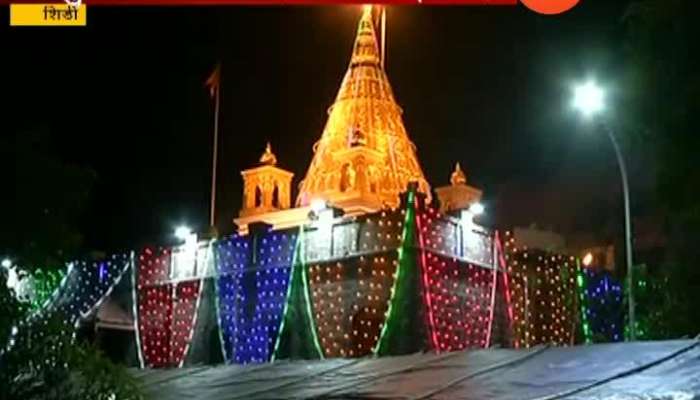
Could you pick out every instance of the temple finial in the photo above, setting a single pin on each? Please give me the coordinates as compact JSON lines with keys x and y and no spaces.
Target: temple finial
{"x":268,"y":157}
{"x":458,"y":177}
{"x":366,"y":48}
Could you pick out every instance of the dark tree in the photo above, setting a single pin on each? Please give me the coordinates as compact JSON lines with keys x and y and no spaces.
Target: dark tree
{"x":42,"y":201}
{"x":662,"y":112}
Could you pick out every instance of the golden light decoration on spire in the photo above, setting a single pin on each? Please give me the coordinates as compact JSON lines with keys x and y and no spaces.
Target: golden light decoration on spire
{"x":458,"y":177}
{"x":364,"y":155}
{"x":268,"y":157}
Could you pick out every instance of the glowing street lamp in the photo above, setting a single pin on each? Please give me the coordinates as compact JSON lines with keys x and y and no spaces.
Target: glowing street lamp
{"x":183,"y":232}
{"x":589,"y":100}
{"x":476,"y":208}
{"x":588,"y":259}
{"x":318,"y":205}
{"x":6,"y":263}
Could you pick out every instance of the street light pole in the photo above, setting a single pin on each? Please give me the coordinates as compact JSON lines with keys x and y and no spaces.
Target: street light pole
{"x":589,"y":99}
{"x":628,"y":229}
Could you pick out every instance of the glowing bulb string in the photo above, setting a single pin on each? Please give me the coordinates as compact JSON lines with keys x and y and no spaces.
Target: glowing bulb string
{"x":506,"y":287}
{"x":298,"y":266}
{"x":456,"y":319}
{"x":283,"y":320}
{"x":38,"y":313}
{"x":128,"y":264}
{"x":196,"y":308}
{"x":275,"y":254}
{"x":232,"y":257}
{"x":135,"y":312}
{"x":167,"y":308}
{"x":217,"y":305}
{"x":545,"y":295}
{"x":154,"y":307}
{"x":307,"y":301}
{"x":494,"y":265}
{"x":254,"y":275}
{"x":432,"y":331}
{"x":190,"y":317}
{"x":408,"y":224}
{"x":51,"y":300}
{"x":581,"y":289}
{"x":602,"y":309}
{"x":76,"y":297}
{"x":350,"y":291}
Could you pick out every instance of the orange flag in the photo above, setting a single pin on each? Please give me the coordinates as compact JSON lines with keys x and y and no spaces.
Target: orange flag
{"x":214,"y":80}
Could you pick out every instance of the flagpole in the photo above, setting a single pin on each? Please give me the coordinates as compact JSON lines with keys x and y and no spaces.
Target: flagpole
{"x":215,"y":157}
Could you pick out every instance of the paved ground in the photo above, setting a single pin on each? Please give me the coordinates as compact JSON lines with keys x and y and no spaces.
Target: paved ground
{"x":643,"y":370}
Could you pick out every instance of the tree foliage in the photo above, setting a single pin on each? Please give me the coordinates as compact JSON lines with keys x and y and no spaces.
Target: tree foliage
{"x":43,"y":360}
{"x":42,"y":203}
{"x":662,"y":110}
{"x":40,"y":357}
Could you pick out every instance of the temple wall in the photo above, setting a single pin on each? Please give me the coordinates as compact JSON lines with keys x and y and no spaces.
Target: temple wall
{"x":393,"y":282}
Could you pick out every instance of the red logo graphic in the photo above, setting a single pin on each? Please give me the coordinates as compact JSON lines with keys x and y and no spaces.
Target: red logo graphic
{"x":550,"y":6}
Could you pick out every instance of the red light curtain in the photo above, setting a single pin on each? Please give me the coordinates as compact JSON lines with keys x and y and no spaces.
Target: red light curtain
{"x":458,"y":296}
{"x":166,"y":311}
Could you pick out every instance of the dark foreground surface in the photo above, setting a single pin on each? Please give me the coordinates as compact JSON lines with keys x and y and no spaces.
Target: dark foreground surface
{"x":644,"y":370}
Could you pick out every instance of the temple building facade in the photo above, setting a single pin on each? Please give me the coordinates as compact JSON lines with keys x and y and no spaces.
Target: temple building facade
{"x":359,"y":262}
{"x":364,"y":158}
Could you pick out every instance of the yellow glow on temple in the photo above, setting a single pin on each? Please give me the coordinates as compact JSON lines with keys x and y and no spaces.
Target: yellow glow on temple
{"x":364,"y":157}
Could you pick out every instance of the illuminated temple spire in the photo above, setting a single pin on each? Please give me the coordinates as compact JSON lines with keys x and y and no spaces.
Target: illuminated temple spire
{"x":364,"y":157}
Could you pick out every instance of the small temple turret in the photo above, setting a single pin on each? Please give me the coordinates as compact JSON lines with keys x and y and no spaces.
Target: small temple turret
{"x":266,"y":188}
{"x":458,"y":195}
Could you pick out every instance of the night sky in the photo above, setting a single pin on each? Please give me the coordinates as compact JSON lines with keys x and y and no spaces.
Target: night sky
{"x":486,"y":86}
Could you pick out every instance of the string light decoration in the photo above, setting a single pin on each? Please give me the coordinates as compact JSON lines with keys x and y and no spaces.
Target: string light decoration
{"x":350,"y":292}
{"x":87,"y":284}
{"x":404,"y":286}
{"x":297,"y":336}
{"x":648,"y":288}
{"x":166,"y":310}
{"x":232,"y":257}
{"x":252,"y":285}
{"x":603,"y":316}
{"x":503,"y":267}
{"x":460,"y":303}
{"x":81,"y":291}
{"x":459,"y":296}
{"x":34,"y":288}
{"x":543,"y":295}
{"x":154,"y":307}
{"x":350,"y":299}
{"x":458,"y":238}
{"x":274,"y":261}
{"x":582,"y":285}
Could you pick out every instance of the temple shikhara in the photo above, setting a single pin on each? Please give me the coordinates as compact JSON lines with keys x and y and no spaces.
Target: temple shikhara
{"x":364,"y":158}
{"x":361,"y":260}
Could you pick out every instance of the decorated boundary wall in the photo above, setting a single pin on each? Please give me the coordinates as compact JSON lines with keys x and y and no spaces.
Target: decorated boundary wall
{"x":394,"y":282}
